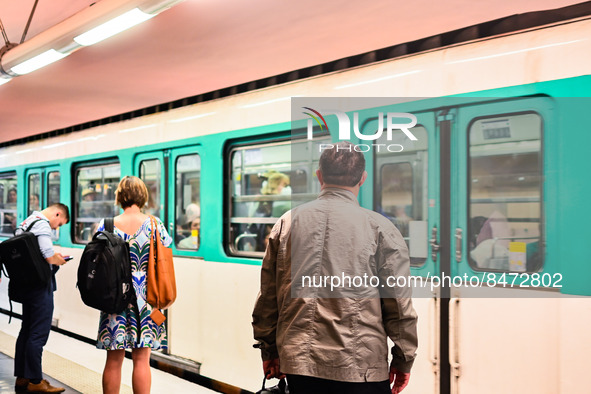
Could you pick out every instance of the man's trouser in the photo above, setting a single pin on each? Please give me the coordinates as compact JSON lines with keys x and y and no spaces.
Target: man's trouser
{"x":36,"y":324}
{"x":299,"y":384}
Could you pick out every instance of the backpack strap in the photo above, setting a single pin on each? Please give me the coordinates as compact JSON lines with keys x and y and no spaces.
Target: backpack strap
{"x":32,"y":224}
{"x":29,"y":227}
{"x":110,"y":225}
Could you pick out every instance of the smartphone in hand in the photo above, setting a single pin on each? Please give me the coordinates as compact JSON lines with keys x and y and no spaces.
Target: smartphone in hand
{"x":68,"y":258}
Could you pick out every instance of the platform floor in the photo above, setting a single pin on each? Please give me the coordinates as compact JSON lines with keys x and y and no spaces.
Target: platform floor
{"x":7,"y":379}
{"x":78,"y":365}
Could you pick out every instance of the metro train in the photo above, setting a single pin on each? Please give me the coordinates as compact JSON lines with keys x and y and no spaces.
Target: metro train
{"x":493,"y":190}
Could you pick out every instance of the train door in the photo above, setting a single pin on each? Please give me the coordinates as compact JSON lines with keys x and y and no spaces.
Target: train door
{"x":406,"y":191}
{"x":42,"y":188}
{"x":173,"y":179}
{"x":34,"y":190}
{"x":499,"y":338}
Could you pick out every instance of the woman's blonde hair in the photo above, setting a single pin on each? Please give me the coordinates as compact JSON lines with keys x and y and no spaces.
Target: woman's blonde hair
{"x":131,"y":191}
{"x":274,"y":180}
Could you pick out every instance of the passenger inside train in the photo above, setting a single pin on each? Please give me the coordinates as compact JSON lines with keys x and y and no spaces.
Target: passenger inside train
{"x":190,"y":229}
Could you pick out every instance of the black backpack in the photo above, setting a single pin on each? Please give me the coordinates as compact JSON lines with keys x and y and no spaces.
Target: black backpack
{"x":24,"y":264}
{"x":104,"y":273}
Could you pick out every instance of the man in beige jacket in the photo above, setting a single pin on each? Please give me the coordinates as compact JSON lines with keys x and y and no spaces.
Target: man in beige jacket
{"x":329,"y":295}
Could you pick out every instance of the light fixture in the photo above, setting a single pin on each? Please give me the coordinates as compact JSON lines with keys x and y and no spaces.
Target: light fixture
{"x":269,"y":101}
{"x":191,"y":117}
{"x":112,"y":27}
{"x":513,"y":52}
{"x":37,"y":62}
{"x":91,"y":25}
{"x":378,"y":79}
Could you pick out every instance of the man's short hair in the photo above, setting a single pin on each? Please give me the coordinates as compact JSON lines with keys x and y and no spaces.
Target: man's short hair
{"x":63,"y":208}
{"x":342,"y":165}
{"x":131,"y":191}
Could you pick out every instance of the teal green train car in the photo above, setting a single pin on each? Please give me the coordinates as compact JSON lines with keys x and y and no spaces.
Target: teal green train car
{"x":491,"y":197}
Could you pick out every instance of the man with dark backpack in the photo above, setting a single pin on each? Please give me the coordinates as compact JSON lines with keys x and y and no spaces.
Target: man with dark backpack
{"x":37,"y":300}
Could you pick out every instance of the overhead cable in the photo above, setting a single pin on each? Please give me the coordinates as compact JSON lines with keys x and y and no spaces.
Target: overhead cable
{"x":29,"y":21}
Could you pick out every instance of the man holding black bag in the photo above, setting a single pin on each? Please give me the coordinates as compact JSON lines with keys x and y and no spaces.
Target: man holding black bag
{"x":327,"y":339}
{"x":37,"y":303}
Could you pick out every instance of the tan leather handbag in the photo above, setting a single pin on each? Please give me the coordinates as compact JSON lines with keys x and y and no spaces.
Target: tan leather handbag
{"x":161,"y":287}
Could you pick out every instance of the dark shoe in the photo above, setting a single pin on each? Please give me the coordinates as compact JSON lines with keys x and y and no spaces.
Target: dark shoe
{"x":20,"y":386}
{"x":44,"y":387}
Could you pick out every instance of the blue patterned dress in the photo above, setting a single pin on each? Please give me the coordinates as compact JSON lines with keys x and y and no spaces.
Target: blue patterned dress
{"x":120,"y":330}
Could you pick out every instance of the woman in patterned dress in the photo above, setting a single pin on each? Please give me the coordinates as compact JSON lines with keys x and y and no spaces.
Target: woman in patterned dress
{"x":119,"y":331}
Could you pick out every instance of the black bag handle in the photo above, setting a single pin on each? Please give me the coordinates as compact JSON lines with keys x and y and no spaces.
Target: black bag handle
{"x":282,"y":385}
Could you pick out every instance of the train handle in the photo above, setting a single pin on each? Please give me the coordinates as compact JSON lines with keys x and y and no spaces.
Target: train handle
{"x":433,"y":336}
{"x":454,"y":345}
{"x":434,"y":245}
{"x":459,"y":245}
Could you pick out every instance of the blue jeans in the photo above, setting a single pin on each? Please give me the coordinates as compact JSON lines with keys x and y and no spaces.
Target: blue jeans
{"x":36,"y":324}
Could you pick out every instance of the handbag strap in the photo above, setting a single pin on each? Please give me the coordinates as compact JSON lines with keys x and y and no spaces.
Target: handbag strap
{"x":154,"y":227}
{"x":155,"y":234}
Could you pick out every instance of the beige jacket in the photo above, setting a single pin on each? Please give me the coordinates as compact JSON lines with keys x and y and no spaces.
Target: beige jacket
{"x":335,"y":333}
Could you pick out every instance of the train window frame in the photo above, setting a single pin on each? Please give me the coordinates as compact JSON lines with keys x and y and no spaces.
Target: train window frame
{"x":75,"y":191}
{"x":195,"y":213}
{"x":540,"y":167}
{"x":8,"y":175}
{"x":410,"y":158}
{"x":159,"y":180}
{"x":40,"y":189}
{"x":49,"y":184}
{"x":240,"y":145}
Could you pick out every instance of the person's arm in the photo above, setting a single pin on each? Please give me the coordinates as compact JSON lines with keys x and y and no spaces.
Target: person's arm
{"x":265,"y":313}
{"x":56,"y":259}
{"x":398,"y":315}
{"x":43,"y":233}
{"x":165,"y":238}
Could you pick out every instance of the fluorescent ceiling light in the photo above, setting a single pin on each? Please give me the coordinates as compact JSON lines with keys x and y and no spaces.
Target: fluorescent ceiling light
{"x":513,"y":52}
{"x":4,"y":80}
{"x":378,"y":79}
{"x":20,"y":152}
{"x":112,"y":27}
{"x":137,"y":128}
{"x":191,"y":117}
{"x":91,"y":138}
{"x":269,"y":101}
{"x":38,"y":61}
{"x":57,"y":144}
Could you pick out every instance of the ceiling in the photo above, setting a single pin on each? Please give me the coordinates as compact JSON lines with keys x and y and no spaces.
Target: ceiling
{"x":204,"y":45}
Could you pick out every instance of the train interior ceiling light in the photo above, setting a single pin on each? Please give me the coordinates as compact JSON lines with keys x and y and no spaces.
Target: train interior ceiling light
{"x":91,"y":25}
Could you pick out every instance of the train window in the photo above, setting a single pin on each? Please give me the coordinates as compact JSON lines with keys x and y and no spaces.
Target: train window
{"x":53,"y":187}
{"x":150,"y":173}
{"x":188,"y":206}
{"x":505,"y":189}
{"x":34,"y":193}
{"x":267,"y":180}
{"x":8,"y":198}
{"x":95,"y":198}
{"x":401,"y":190}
